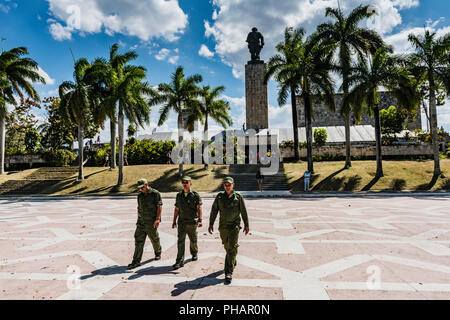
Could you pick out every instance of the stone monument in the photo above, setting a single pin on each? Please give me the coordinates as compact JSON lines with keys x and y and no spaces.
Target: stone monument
{"x":257,"y":108}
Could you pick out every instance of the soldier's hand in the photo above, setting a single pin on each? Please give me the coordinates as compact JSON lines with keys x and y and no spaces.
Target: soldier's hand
{"x":174,"y":225}
{"x":156,"y":224}
{"x":246,"y":230}
{"x":210,"y":229}
{"x":199,"y":224}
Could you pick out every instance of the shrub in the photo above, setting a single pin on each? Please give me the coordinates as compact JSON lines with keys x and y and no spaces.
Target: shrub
{"x":59,"y":157}
{"x":320,"y":137}
{"x":148,"y":151}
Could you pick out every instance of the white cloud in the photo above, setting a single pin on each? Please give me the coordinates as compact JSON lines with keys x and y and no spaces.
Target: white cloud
{"x":205,"y":52}
{"x":232,"y":20}
{"x":48,"y":79}
{"x":280,"y":117}
{"x":144,"y":19}
{"x":400,"y":42}
{"x":59,"y":32}
{"x":164,"y":55}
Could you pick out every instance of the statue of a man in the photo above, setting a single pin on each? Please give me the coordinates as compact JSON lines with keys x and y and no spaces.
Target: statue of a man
{"x":255,"y":43}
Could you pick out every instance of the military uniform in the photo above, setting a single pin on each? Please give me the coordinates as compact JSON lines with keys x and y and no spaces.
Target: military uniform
{"x":231,"y":209}
{"x":147,"y":211}
{"x":187,"y":222}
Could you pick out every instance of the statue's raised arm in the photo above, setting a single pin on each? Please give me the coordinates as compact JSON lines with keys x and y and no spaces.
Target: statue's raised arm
{"x":255,"y":42}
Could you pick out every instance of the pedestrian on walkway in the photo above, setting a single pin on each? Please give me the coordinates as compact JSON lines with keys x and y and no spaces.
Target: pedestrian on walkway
{"x":125,"y":159}
{"x":106,"y":160}
{"x":149,"y":218}
{"x":188,"y":211}
{"x":231,"y":206}
{"x":259,"y":179}
{"x":307,"y":178}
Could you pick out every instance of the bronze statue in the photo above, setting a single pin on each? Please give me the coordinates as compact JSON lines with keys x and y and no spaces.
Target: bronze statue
{"x":255,"y":43}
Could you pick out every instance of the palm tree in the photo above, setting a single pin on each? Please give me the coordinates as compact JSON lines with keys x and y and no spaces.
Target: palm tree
{"x":104,"y":74}
{"x":131,"y":96}
{"x":350,"y":39}
{"x":314,"y":65}
{"x":180,"y":95}
{"x":77,"y":99}
{"x":215,"y":108}
{"x":432,"y":60}
{"x":382,"y":70}
{"x":17,"y":75}
{"x":282,"y":67}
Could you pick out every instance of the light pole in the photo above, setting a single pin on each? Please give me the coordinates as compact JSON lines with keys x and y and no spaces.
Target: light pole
{"x":3,"y":39}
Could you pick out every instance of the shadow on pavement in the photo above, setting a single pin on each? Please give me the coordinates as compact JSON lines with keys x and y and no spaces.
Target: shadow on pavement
{"x":202,"y":282}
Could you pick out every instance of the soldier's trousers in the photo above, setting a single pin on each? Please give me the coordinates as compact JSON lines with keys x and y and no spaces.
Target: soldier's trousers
{"x":230,"y":237}
{"x":191,"y":231}
{"x":142,"y":231}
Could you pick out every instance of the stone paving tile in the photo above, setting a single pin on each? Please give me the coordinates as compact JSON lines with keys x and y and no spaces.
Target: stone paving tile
{"x":321,"y":248}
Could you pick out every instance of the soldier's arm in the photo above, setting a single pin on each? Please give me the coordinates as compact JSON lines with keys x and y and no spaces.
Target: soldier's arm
{"x":199,"y":207}
{"x":158,"y":207}
{"x":139,"y":209}
{"x":243,"y":211}
{"x":175,"y":217}
{"x":213,"y":215}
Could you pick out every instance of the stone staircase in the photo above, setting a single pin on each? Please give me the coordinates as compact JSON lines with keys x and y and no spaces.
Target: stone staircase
{"x":245,"y":178}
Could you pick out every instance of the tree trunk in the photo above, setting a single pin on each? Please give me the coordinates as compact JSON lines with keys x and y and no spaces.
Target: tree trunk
{"x":295,"y":123}
{"x":121,"y":135}
{"x":205,"y":140}
{"x":348,"y":156}
{"x":113,"y":144}
{"x":309,"y":133}
{"x":426,"y":114}
{"x":376,"y":110}
{"x":2,"y":144}
{"x":80,"y":151}
{"x":180,"y":142}
{"x":433,"y":124}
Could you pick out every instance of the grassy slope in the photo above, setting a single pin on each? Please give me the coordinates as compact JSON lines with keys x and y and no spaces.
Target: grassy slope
{"x":329,"y":176}
{"x":398,"y":175}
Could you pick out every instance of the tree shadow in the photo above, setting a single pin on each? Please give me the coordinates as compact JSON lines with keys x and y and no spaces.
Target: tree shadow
{"x":371,"y":184}
{"x":430,"y":185}
{"x":397,"y":185}
{"x":202,"y":282}
{"x":330,"y":180}
{"x":352,"y":183}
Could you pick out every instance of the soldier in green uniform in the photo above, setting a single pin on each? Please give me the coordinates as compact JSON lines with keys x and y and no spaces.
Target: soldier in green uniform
{"x":231,"y":206}
{"x":188,"y":211}
{"x":149,"y":217}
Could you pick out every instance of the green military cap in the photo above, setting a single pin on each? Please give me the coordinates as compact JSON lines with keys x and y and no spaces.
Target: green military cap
{"x":228,"y":179}
{"x":142,"y":182}
{"x":186,"y":178}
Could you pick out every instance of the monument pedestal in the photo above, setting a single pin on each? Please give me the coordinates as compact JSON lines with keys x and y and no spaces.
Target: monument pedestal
{"x":257,"y":108}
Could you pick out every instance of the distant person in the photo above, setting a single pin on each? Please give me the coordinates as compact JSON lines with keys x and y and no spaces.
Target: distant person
{"x":307,"y":178}
{"x":125,"y":159}
{"x":259,"y":179}
{"x":168,"y":157}
{"x":106,"y":161}
{"x":98,"y":139}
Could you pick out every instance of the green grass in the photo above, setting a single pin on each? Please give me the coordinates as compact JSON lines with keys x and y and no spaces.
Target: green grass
{"x":398,"y":176}
{"x":329,"y":176}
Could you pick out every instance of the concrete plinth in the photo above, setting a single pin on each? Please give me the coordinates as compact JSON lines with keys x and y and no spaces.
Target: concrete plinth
{"x":257,"y":109}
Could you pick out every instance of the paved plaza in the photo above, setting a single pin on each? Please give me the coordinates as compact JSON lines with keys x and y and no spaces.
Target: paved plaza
{"x":373,"y":247}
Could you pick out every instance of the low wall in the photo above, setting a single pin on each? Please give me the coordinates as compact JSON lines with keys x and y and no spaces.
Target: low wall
{"x":23,"y":159}
{"x":364,"y":151}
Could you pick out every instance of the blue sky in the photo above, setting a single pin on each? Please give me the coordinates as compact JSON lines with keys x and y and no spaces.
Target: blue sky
{"x":206,"y":37}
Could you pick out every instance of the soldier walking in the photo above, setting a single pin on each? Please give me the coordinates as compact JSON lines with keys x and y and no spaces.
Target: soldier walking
{"x":231,"y":206}
{"x":149,"y":217}
{"x":188,"y":211}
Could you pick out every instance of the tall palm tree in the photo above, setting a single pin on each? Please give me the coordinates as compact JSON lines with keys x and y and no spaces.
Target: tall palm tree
{"x":180,"y":95}
{"x":131,"y":96}
{"x":77,"y":99}
{"x":17,"y":75}
{"x":351,"y":39}
{"x":314,"y":65}
{"x":104,"y":74}
{"x":381,"y":70}
{"x":217,"y":109}
{"x":432,"y":60}
{"x":283,"y":67}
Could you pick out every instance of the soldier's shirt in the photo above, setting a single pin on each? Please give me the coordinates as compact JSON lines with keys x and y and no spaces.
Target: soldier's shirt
{"x":231,"y":209}
{"x":187,"y":205}
{"x":148,"y":204}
